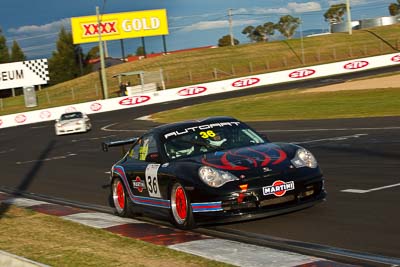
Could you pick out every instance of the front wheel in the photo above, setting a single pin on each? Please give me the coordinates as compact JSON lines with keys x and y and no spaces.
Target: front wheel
{"x":120,"y":199}
{"x":181,"y":210}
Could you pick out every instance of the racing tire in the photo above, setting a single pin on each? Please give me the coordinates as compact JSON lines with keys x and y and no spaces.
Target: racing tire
{"x":181,"y":209}
{"x":120,"y":199}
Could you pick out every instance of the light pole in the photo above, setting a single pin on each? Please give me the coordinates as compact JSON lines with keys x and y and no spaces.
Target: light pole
{"x":301,"y":42}
{"x":349,"y":17}
{"x":230,"y":26}
{"x":102,"y":63}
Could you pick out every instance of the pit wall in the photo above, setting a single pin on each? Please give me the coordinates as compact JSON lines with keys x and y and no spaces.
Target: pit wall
{"x":203,"y":89}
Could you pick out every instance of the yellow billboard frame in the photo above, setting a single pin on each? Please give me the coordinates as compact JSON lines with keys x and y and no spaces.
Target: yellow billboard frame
{"x":119,"y":26}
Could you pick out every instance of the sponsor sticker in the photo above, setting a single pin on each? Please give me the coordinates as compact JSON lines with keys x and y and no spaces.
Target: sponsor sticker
{"x":95,"y":106}
{"x":194,"y":90}
{"x":20,"y":118}
{"x":70,"y":109}
{"x":396,"y":58}
{"x":245,"y":82}
{"x":278,"y":188}
{"x":356,"y":65}
{"x":45,"y":114}
{"x":139,"y":184}
{"x":301,"y":73}
{"x":134,"y":100}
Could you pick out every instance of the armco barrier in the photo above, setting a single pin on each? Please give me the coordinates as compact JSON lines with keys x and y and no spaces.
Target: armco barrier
{"x":202,"y":89}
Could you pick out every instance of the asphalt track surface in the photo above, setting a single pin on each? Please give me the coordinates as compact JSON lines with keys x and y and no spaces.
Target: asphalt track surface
{"x":359,"y":158}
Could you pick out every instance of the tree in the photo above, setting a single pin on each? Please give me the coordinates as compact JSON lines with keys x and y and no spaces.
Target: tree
{"x":335,"y":13}
{"x":394,"y":8}
{"x":140,"y":51}
{"x":226,"y":41}
{"x":287,"y":25}
{"x":65,"y":62}
{"x":4,"y":54}
{"x":93,"y":53}
{"x":260,"y":33}
{"x":16,"y":53}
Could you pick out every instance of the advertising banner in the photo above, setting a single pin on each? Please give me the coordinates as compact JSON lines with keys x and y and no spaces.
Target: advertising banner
{"x":119,"y":26}
{"x":23,"y":73}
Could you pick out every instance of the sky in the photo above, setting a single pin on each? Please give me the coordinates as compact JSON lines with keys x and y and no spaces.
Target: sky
{"x":35,"y":24}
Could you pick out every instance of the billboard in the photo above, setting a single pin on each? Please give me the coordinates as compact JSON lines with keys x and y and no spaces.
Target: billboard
{"x":23,"y":73}
{"x":119,"y":26}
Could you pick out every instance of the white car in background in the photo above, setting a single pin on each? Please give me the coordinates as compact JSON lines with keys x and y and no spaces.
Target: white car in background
{"x":72,"y":122}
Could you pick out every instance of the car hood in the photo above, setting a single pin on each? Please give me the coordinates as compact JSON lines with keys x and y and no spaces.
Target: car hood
{"x":266,"y":157}
{"x":69,"y":122}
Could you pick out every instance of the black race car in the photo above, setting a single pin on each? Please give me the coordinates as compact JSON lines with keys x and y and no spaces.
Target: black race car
{"x":212,"y":170}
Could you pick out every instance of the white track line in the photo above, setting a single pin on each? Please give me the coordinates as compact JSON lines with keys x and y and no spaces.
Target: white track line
{"x":360,"y":191}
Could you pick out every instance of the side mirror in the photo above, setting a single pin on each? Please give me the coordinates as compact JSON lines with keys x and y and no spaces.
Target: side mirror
{"x":57,"y":120}
{"x":153,"y":157}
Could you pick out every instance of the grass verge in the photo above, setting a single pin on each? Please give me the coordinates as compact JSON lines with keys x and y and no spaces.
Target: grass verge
{"x":295,"y":105}
{"x":53,"y":241}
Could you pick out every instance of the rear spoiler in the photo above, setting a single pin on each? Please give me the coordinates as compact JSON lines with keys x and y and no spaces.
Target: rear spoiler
{"x":105,"y":145}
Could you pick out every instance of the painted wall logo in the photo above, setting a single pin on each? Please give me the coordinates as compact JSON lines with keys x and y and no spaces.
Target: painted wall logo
{"x":134,"y":100}
{"x":95,"y":106}
{"x":301,"y":73}
{"x":45,"y":114}
{"x":139,"y":184}
{"x":194,"y":90}
{"x":20,"y":118}
{"x":356,"y":65}
{"x":278,"y":188}
{"x":396,"y":58}
{"x":70,"y":109}
{"x":245,"y":82}
{"x":91,"y":29}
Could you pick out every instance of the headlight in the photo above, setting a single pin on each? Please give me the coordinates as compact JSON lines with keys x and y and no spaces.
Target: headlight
{"x":58,"y":124}
{"x":79,"y":122}
{"x":304,"y":158}
{"x":215,"y":178}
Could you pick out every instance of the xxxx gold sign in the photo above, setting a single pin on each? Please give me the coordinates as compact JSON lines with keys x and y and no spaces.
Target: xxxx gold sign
{"x":119,"y":26}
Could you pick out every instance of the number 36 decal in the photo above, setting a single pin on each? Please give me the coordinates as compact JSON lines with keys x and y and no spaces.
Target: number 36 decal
{"x":152,"y":180}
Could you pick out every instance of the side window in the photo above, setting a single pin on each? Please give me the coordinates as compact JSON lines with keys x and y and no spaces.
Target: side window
{"x":134,"y":152}
{"x":143,"y":147}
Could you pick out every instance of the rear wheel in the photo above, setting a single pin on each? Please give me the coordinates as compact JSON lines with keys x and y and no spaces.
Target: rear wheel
{"x":120,"y":199}
{"x":181,"y":210}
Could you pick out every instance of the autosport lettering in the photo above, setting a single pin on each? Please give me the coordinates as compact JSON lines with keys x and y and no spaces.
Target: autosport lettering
{"x":139,"y":24}
{"x":20,"y":118}
{"x":194,"y":90}
{"x":107,"y":27}
{"x":301,"y":73}
{"x":139,"y":184}
{"x":201,"y":128}
{"x":245,"y":82}
{"x":95,"y":106}
{"x":134,"y":100}
{"x":356,"y":65}
{"x":278,"y":188}
{"x":396,"y":58}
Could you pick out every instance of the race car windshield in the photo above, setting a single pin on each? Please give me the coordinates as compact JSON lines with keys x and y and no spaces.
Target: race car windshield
{"x":70,"y":116}
{"x":201,"y":139}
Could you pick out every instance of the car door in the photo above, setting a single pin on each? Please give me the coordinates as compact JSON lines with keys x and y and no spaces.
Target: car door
{"x":142,"y":170}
